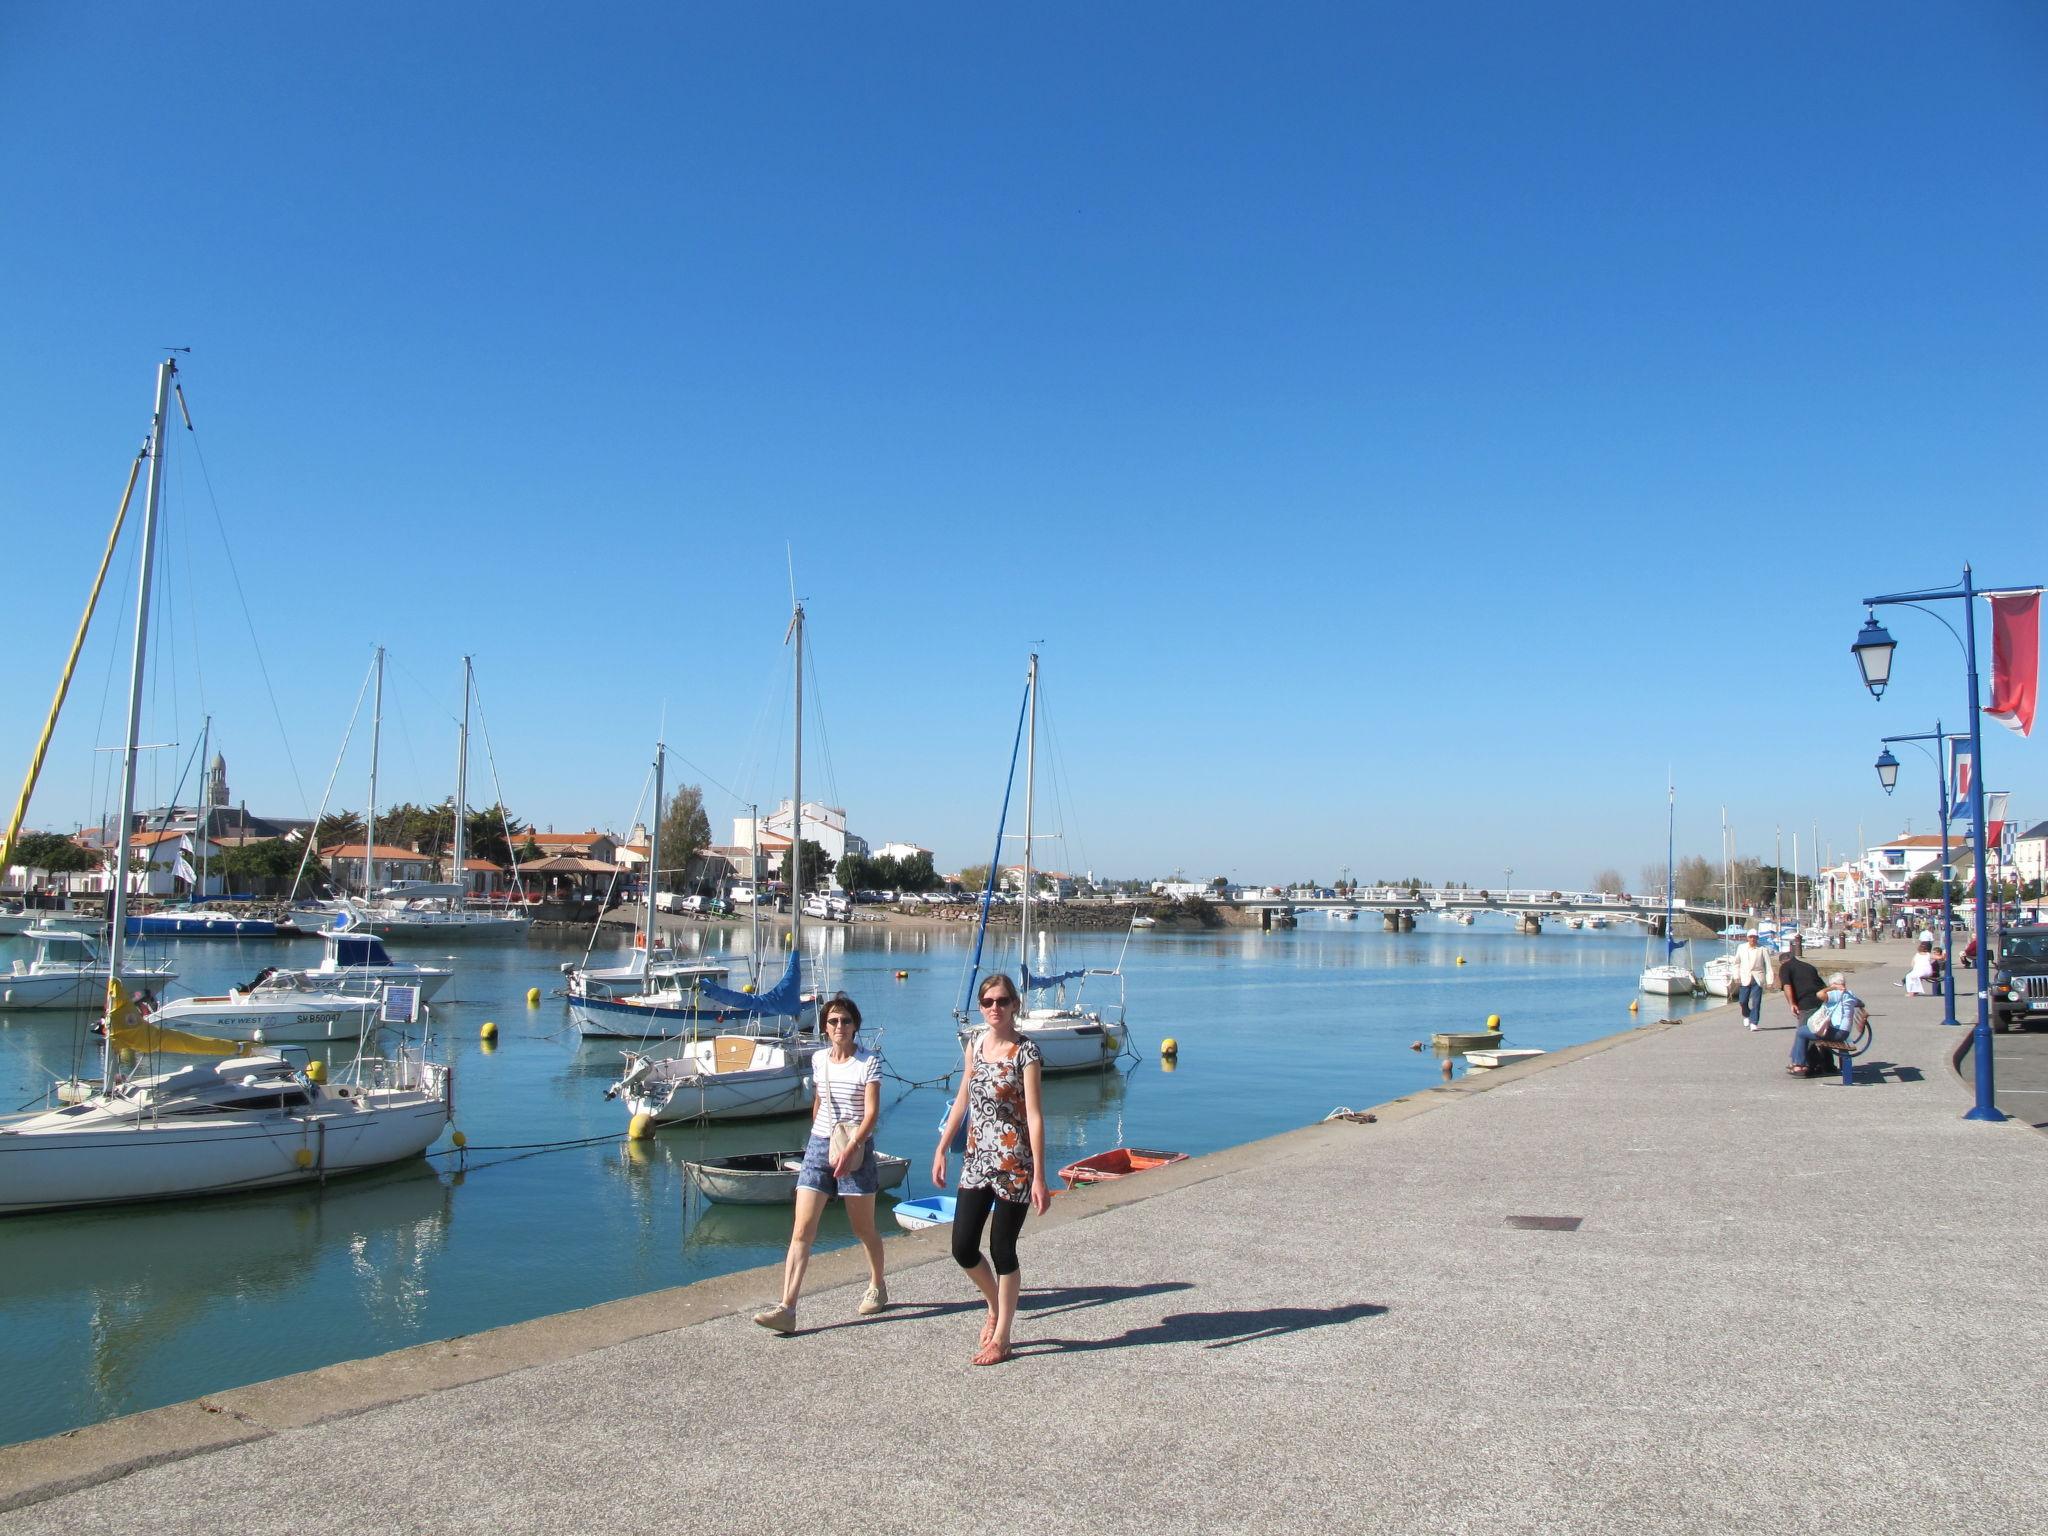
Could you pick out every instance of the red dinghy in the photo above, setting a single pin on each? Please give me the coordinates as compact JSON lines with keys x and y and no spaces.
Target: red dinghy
{"x":1117,"y":1164}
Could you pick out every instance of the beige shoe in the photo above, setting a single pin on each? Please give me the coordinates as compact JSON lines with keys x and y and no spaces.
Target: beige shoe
{"x":876,"y":1299}
{"x":777,"y":1319}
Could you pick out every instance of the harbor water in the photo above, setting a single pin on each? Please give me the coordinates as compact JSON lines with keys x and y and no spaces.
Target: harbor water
{"x":109,"y":1311}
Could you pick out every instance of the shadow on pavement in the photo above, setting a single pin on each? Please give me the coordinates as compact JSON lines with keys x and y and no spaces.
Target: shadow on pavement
{"x":1214,"y":1330}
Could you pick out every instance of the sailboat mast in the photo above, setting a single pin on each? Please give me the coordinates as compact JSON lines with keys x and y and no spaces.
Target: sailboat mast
{"x":760,"y":891}
{"x":1670,"y":849}
{"x":205,"y":799}
{"x":462,"y":791}
{"x":119,"y":908}
{"x":370,"y":818}
{"x":1795,"y":880}
{"x":796,"y":820}
{"x":1030,"y":789}
{"x":654,"y":847}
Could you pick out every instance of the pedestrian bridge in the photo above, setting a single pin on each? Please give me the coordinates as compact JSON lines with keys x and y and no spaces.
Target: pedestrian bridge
{"x":1399,"y":905}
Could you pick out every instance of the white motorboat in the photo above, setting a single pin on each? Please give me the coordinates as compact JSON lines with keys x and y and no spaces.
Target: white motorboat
{"x":16,"y":919}
{"x":67,"y":971}
{"x":222,"y":1126}
{"x":736,"y":1074}
{"x":1142,"y":920}
{"x":1344,"y":914}
{"x":769,"y":1178}
{"x":1070,"y":1036}
{"x":286,"y":1016}
{"x":355,"y":964}
{"x":244,"y":1122}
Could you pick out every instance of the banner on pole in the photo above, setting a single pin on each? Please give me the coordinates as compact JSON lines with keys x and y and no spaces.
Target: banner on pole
{"x":1959,"y":794}
{"x":2015,"y":659}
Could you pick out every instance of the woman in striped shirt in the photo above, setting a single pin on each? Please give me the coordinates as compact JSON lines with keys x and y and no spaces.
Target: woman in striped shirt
{"x":848,"y":1081}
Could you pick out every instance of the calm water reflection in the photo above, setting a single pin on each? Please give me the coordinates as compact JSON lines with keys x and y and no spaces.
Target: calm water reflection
{"x":110,"y":1311}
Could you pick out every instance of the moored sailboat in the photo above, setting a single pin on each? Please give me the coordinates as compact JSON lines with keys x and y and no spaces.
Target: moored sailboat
{"x":216,"y":1126}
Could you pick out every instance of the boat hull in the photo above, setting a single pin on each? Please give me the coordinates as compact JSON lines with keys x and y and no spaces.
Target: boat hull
{"x":1068,"y":1044}
{"x":932,"y":1211}
{"x":282,"y":1021}
{"x":1668,"y":981}
{"x":199,"y":925}
{"x":723,"y":1183}
{"x":75,"y":990}
{"x":51,"y":1170}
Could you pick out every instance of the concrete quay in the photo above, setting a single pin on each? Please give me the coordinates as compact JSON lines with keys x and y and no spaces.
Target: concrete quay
{"x":1786,"y":1306}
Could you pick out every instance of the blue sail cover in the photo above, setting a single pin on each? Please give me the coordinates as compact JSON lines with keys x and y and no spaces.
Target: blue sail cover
{"x":1040,"y":983}
{"x":784,"y":1000}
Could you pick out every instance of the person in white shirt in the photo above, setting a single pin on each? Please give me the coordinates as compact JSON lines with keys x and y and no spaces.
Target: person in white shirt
{"x":840,"y":1159}
{"x":1753,"y":978}
{"x":1920,"y":975}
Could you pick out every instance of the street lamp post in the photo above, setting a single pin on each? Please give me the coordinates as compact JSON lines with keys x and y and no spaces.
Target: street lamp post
{"x":1888,"y":776}
{"x":1873,"y":651}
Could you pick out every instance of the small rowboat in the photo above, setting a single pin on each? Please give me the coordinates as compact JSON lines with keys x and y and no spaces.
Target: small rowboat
{"x":931,"y":1211}
{"x":1117,"y":1163}
{"x":769,"y":1178}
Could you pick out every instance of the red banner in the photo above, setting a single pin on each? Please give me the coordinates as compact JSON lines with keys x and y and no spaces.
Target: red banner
{"x":2015,"y":659}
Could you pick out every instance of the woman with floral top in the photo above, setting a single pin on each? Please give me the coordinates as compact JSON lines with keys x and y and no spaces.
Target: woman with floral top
{"x":1003,"y":1176}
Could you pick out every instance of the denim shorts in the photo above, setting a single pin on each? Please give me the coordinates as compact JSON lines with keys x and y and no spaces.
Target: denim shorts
{"x":817,"y":1170}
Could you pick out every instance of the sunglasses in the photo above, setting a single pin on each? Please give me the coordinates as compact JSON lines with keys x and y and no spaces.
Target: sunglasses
{"x":999,"y":1002}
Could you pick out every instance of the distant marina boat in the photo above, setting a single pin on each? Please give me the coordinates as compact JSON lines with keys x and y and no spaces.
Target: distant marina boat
{"x":199,"y":923}
{"x":1143,"y":920}
{"x":16,"y":919}
{"x":67,"y":971}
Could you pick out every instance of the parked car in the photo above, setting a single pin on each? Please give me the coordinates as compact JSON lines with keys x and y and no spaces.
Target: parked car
{"x":2019,"y":990}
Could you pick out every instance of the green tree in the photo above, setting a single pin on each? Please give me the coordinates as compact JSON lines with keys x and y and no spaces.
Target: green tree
{"x":1696,"y":880}
{"x":1925,"y":886}
{"x":916,"y":874}
{"x":338,"y":827}
{"x":1219,"y":883}
{"x":53,"y":853}
{"x":488,"y":836}
{"x":858,"y":872}
{"x":685,"y":834}
{"x":266,"y":868}
{"x":974,"y":877}
{"x":817,"y":866}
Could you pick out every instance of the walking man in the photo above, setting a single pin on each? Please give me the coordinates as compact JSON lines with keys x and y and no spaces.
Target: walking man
{"x":1804,"y":989}
{"x":1752,"y":978}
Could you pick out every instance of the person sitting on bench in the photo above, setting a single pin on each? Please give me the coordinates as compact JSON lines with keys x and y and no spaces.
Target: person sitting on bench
{"x":1831,"y":1025}
{"x":1920,"y":976}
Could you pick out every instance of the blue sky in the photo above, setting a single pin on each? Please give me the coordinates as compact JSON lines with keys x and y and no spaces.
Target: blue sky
{"x":1408,"y":430}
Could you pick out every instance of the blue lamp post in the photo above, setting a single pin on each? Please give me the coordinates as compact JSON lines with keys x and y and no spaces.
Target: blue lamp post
{"x":1873,"y":651}
{"x":1888,"y":776}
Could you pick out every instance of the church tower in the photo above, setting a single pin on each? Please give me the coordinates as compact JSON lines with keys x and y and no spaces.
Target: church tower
{"x":217,"y":793}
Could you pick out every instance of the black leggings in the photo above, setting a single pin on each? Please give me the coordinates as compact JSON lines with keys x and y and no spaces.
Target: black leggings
{"x":970,"y":1211}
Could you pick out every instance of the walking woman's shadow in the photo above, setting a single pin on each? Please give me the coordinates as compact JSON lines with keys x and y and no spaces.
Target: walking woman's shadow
{"x":1214,"y":1330}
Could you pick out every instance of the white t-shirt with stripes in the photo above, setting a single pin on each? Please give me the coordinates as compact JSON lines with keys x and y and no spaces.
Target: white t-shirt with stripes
{"x":842,"y":1088}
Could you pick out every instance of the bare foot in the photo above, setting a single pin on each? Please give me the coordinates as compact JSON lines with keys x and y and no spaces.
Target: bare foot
{"x":994,"y":1353}
{"x":988,"y":1331}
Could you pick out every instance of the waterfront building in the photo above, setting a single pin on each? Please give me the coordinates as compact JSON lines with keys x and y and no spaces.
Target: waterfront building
{"x":901,"y":851}
{"x":824,"y":825}
{"x":2030,"y":856}
{"x":593,"y":844}
{"x":344,"y":863}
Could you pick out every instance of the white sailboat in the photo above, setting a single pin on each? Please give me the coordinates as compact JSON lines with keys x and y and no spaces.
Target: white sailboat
{"x":1070,"y":1036}
{"x":654,"y":992}
{"x":430,"y":911}
{"x":1669,"y":978}
{"x":752,"y":1073}
{"x":218,"y":1126}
